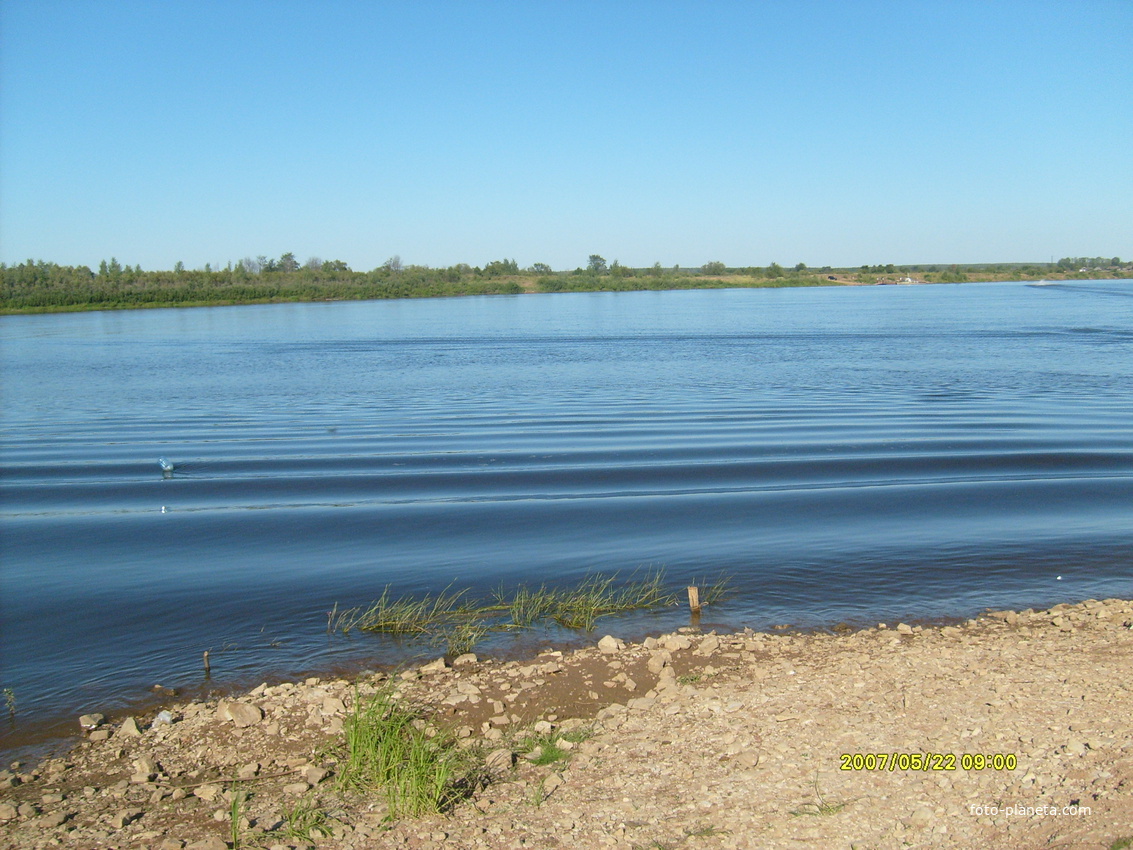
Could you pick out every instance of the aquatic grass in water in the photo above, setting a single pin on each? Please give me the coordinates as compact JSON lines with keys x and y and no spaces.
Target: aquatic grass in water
{"x":525,"y":605}
{"x":596,"y":597}
{"x":405,"y":615}
{"x":462,"y":637}
{"x":452,"y":620}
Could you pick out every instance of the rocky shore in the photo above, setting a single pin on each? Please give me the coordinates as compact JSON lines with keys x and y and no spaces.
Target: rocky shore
{"x":1012,"y":730}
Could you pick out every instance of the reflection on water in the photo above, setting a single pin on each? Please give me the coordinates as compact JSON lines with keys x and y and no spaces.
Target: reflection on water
{"x":844,"y":454}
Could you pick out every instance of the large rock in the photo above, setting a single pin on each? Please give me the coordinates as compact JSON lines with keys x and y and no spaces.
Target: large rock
{"x":610,"y":644}
{"x":240,"y":713}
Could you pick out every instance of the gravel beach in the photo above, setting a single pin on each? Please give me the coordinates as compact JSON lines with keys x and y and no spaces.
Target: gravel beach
{"x":1011,"y":730}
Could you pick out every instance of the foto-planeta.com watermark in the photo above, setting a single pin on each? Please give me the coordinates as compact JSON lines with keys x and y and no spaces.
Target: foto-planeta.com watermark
{"x":1020,"y":811}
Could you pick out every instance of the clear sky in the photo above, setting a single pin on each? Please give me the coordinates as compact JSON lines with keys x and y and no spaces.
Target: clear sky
{"x":831,"y":133}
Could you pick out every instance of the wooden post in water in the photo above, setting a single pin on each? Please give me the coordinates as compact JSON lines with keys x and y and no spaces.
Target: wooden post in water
{"x":694,"y":599}
{"x":206,"y":662}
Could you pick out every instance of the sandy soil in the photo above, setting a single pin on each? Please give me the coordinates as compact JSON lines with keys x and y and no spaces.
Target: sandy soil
{"x":1013,"y":730}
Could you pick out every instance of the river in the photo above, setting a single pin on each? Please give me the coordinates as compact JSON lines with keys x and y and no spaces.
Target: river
{"x":842,"y":454}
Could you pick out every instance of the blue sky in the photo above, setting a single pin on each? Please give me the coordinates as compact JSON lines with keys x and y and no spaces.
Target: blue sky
{"x":830,"y":133}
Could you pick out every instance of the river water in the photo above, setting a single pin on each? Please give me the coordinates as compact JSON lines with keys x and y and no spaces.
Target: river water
{"x":843,"y":454}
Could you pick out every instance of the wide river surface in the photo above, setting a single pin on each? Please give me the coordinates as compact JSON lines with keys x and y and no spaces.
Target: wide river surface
{"x":844,"y":454}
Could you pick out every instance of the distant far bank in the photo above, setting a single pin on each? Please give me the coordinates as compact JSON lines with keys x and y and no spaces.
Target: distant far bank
{"x":42,"y":287}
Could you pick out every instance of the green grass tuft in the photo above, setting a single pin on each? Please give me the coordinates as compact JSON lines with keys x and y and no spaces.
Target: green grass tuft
{"x":548,"y":744}
{"x":389,"y":749}
{"x":305,"y":820}
{"x":236,"y":816}
{"x":820,"y":807}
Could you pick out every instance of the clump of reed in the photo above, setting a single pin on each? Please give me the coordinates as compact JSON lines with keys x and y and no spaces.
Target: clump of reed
{"x":420,"y":769}
{"x":406,"y":615}
{"x":453,"y":619}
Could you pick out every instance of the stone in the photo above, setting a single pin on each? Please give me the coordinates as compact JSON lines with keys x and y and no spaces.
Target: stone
{"x":333,"y":705}
{"x":55,"y":820}
{"x":91,"y":721}
{"x":466,"y":658}
{"x":658,"y":661}
{"x":129,"y":728}
{"x":125,"y":817}
{"x":708,"y":646}
{"x":7,"y":811}
{"x":610,"y":644}
{"x":314,"y":775}
{"x":437,"y":666}
{"x":146,"y":765}
{"x":748,"y":758}
{"x":242,"y":714}
{"x":921,"y":818}
{"x":499,"y":760}
{"x":904,"y":629}
{"x":248,"y":771}
{"x":210,"y":843}
{"x":206,"y":792}
{"x":296,"y":788}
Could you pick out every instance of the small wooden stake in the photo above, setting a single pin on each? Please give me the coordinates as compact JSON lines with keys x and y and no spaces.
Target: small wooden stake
{"x":206,"y":662}
{"x":694,"y":599}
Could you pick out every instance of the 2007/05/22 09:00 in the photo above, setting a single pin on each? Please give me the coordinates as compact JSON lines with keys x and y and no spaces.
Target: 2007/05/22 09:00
{"x":928,"y":761}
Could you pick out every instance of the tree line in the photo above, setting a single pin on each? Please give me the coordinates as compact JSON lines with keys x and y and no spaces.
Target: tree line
{"x":39,"y":286}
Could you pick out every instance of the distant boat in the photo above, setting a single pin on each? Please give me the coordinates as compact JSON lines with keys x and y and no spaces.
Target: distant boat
{"x":165,"y":463}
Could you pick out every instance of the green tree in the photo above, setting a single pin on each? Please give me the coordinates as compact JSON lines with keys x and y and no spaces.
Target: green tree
{"x":774,"y":270}
{"x":714,"y":268}
{"x":541,"y":268}
{"x":288,"y":263}
{"x":596,"y":264}
{"x":496,"y":268}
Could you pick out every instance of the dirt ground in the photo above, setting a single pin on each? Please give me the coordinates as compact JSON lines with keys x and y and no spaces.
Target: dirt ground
{"x":1013,"y":730}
